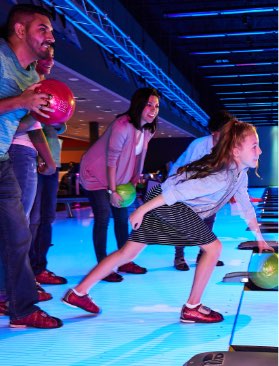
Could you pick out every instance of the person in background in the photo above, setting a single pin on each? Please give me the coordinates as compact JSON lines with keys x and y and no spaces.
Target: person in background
{"x":196,"y":150}
{"x":23,"y":152}
{"x":174,"y":213}
{"x":118,"y":158}
{"x":44,"y":208}
{"x":68,"y":182}
{"x":28,"y":37}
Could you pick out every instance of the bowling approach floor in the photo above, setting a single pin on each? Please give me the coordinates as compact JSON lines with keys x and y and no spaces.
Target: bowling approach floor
{"x":139,"y":324}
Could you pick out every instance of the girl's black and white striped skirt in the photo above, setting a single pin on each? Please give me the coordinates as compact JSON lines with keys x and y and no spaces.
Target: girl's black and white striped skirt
{"x":175,"y":225}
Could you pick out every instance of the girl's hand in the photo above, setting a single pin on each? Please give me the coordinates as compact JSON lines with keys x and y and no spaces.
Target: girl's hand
{"x":136,"y":218}
{"x":264,"y":247}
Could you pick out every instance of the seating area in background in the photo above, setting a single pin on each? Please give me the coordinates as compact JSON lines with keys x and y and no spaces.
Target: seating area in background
{"x":71,"y":194}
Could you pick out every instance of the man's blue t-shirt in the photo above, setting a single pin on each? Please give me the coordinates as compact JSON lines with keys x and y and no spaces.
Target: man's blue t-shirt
{"x":14,"y":79}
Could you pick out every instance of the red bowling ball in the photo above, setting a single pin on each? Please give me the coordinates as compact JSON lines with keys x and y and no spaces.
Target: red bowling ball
{"x":62,"y":102}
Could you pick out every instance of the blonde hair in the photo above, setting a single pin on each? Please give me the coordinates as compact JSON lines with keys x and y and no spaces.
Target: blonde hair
{"x":232,"y":134}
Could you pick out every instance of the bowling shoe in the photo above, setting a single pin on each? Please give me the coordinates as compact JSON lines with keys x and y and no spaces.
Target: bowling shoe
{"x":113,"y":277}
{"x":180,"y":264}
{"x":132,"y":267}
{"x":49,"y":278}
{"x":200,"y":314}
{"x":4,"y":308}
{"x":38,"y":319}
{"x":42,"y":294}
{"x":83,"y":302}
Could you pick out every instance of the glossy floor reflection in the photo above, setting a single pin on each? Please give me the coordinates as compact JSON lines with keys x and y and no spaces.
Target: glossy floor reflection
{"x":139,"y":324}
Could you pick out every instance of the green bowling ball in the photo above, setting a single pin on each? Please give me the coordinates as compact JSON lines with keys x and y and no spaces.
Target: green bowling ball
{"x":263,"y":270}
{"x":127,"y":193}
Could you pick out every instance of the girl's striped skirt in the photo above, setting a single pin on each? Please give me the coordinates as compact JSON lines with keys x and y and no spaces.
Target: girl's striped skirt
{"x":175,"y":225}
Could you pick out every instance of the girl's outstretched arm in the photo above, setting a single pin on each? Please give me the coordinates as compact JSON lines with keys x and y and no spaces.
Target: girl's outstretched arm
{"x":262,"y":244}
{"x":137,"y":216}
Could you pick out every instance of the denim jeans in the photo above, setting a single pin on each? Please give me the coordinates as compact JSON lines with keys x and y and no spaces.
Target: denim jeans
{"x":24,"y":161}
{"x":179,"y":251}
{"x":41,"y":218}
{"x":100,"y":203}
{"x":15,"y":239}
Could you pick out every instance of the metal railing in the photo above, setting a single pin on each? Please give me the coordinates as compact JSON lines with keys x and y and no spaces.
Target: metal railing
{"x":95,"y":24}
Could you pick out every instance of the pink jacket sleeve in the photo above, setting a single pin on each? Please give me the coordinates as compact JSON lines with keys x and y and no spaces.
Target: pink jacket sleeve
{"x":122,"y":133}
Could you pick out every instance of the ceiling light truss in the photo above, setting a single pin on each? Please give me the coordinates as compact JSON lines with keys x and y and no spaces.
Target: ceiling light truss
{"x":95,"y":24}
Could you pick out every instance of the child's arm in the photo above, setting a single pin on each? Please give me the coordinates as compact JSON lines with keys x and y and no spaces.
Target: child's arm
{"x":137,"y":216}
{"x":40,"y":143}
{"x":263,"y":246}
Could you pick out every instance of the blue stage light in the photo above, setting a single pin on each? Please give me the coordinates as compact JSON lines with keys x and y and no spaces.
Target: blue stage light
{"x":246,"y":84}
{"x":220,"y":12}
{"x":245,"y":92}
{"x":249,"y":98}
{"x":227,"y":34}
{"x":233,"y":51}
{"x":239,"y":65}
{"x":239,"y":75}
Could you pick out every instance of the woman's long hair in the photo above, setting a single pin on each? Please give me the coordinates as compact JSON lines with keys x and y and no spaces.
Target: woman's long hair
{"x":137,"y":105}
{"x":221,"y":157}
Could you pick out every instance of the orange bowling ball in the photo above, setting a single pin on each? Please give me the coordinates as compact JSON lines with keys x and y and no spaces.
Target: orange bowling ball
{"x":62,"y":102}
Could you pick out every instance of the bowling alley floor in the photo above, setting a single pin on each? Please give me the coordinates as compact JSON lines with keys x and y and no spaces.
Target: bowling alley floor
{"x":139,"y":324}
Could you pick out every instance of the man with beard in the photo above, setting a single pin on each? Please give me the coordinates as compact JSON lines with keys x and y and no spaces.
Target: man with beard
{"x":29,"y":36}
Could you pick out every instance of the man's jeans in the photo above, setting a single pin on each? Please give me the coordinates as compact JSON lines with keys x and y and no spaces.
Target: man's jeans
{"x":100,"y":203}
{"x":15,"y":239}
{"x":24,"y":160}
{"x":41,"y":218}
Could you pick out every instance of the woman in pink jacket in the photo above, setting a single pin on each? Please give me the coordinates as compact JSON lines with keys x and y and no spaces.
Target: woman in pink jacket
{"x":118,"y":158}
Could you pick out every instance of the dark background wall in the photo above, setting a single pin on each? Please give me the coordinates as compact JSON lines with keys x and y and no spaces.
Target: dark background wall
{"x":161,"y":151}
{"x":268,"y":165}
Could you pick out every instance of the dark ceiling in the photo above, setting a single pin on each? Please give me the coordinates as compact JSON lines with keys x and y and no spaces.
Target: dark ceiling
{"x":226,"y":49}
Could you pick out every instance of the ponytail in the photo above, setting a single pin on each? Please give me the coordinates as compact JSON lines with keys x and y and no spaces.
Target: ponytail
{"x":221,"y":157}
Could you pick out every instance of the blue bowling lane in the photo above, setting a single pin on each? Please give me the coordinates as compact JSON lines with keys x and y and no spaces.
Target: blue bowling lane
{"x":139,"y":324}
